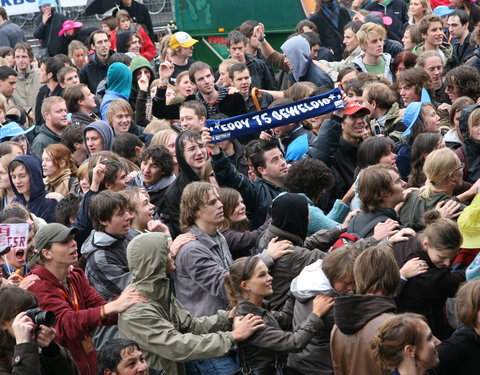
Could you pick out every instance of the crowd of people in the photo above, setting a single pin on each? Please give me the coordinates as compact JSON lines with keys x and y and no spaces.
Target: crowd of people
{"x":345,"y":243}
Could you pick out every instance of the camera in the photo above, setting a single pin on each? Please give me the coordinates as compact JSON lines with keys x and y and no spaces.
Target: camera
{"x":39,"y":317}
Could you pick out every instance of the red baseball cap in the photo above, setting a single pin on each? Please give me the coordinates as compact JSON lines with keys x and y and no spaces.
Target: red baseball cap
{"x":354,"y":107}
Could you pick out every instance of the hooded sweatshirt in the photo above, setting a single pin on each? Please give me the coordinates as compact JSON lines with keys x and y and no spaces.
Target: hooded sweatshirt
{"x":73,"y":326}
{"x":297,"y":50}
{"x":357,"y":319}
{"x":175,"y":190}
{"x":119,"y":83}
{"x":137,"y":63}
{"x":122,"y":40}
{"x":37,"y":203}
{"x":315,"y":359}
{"x":470,"y":151}
{"x":166,"y":333}
{"x":157,"y":191}
{"x":105,"y":131}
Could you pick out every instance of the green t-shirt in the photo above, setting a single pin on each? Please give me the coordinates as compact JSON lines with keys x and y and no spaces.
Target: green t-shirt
{"x":378,"y":69}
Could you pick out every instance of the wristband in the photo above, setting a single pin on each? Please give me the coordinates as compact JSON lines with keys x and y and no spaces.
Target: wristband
{"x":169,"y":237}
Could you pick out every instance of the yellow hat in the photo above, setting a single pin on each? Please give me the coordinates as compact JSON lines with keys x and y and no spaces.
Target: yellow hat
{"x":469,"y":224}
{"x":181,"y":39}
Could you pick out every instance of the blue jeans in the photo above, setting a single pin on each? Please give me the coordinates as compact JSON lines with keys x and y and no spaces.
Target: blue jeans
{"x":228,"y":365}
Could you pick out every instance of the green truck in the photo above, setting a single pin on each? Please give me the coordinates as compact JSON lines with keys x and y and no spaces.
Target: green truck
{"x":210,"y":21}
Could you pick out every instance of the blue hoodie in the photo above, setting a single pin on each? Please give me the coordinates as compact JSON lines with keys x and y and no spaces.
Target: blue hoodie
{"x":119,"y":83}
{"x":37,"y":204}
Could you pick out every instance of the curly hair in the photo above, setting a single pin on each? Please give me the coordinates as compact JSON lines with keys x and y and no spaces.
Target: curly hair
{"x":467,"y":79}
{"x":309,"y":176}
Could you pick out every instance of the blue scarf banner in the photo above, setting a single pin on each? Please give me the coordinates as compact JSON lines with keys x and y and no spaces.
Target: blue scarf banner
{"x":255,"y":122}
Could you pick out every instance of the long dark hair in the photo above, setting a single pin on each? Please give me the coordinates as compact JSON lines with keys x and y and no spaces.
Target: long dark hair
{"x":13,"y":300}
{"x":371,"y":151}
{"x":229,"y":198}
{"x":423,"y":144}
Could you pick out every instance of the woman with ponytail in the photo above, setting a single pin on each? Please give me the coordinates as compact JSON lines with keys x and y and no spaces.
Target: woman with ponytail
{"x":427,"y":293}
{"x":266,"y":352}
{"x":444,"y":173}
{"x":405,"y":345}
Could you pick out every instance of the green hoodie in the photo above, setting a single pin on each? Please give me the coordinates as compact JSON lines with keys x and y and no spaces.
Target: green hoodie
{"x":165,"y":331}
{"x":137,"y":63}
{"x":445,"y":48}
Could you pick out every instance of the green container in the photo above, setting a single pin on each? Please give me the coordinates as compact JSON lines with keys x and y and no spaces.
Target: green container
{"x":210,"y":21}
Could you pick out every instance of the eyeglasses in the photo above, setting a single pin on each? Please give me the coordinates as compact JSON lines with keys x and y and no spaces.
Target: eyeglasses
{"x":199,"y":147}
{"x":461,"y":166}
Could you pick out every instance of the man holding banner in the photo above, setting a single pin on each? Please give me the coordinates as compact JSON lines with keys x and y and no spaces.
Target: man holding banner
{"x":268,"y":161}
{"x":270,"y":167}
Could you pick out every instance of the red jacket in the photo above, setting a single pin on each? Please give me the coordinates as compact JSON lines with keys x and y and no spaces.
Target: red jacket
{"x":72,"y":326}
{"x":148,"y":49}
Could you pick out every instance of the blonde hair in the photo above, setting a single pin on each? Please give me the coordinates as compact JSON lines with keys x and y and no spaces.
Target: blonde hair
{"x":48,"y":102}
{"x":161,"y":137}
{"x":118,"y":105}
{"x":438,"y":167}
{"x":427,"y":9}
{"x":473,"y":119}
{"x":367,"y":31}
{"x":156,"y":125}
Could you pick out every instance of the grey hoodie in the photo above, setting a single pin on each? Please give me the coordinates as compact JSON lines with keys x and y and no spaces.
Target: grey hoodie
{"x":105,"y":132}
{"x":297,"y":50}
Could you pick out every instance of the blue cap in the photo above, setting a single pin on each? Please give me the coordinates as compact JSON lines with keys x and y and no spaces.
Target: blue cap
{"x":443,"y":10}
{"x":12,"y":129}
{"x":410,"y":116}
{"x":41,"y":3}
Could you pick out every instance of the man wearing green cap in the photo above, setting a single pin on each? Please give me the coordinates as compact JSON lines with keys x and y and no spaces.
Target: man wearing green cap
{"x":66,"y":292}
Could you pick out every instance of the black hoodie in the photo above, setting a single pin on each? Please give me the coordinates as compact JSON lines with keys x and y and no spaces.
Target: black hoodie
{"x":175,"y":190}
{"x":469,"y":153}
{"x":37,"y":203}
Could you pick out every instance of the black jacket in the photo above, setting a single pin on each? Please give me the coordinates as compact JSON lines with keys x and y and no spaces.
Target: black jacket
{"x":257,"y":195}
{"x":175,"y":190}
{"x":261,"y":76}
{"x":469,"y":153}
{"x":464,"y":51}
{"x":48,"y":33}
{"x":427,"y":293}
{"x":331,"y":36}
{"x":397,"y":11}
{"x":339,"y":155}
{"x":93,"y":72}
{"x":459,"y":354}
{"x":43,"y":93}
{"x":28,"y":359}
